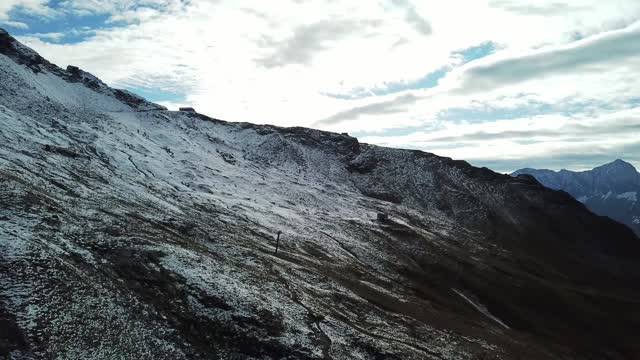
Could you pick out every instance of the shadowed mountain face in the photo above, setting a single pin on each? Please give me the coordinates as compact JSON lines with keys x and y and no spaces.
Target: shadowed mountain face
{"x":129,"y":231}
{"x":611,"y":190}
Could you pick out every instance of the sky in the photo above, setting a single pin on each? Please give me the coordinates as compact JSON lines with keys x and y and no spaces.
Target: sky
{"x":504,"y":84}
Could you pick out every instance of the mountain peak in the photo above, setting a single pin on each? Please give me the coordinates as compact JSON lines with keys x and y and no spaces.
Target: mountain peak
{"x":25,"y":56}
{"x":618,"y":166}
{"x":620,"y":162}
{"x":610,"y":189}
{"x":19,"y":53}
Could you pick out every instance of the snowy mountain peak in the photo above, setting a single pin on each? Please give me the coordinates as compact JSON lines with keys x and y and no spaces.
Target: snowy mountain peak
{"x":618,"y":176}
{"x":611,"y":189}
{"x":618,"y":167}
{"x":47,"y":78}
{"x":20,"y":53}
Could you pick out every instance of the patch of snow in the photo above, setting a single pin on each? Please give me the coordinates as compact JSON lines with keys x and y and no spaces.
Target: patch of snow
{"x":481,"y":308}
{"x":631,"y":196}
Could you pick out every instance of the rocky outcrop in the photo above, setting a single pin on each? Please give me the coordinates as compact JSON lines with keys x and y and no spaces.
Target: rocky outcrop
{"x":23,"y":55}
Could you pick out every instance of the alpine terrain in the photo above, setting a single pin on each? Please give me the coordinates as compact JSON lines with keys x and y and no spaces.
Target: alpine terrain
{"x":610,"y":190}
{"x":131,"y":232}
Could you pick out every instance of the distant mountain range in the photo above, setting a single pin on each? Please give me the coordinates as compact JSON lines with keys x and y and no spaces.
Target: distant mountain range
{"x":612,"y":189}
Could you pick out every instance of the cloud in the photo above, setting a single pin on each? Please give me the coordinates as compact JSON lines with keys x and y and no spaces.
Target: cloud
{"x":552,"y":8}
{"x":119,"y":10}
{"x":308,"y":40}
{"x":55,"y":36}
{"x":420,"y":24}
{"x":219,"y":50}
{"x":114,"y":7}
{"x":14,"y":24}
{"x":394,"y":106}
{"x":597,"y":53}
{"x":515,"y":141}
{"x":31,"y":7}
{"x":602,"y":63}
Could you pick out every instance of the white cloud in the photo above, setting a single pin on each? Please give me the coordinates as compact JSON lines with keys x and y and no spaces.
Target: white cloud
{"x":14,"y":24}
{"x":55,"y":36}
{"x":414,"y":18}
{"x":117,"y":8}
{"x":225,"y":57}
{"x":32,"y":7}
{"x":603,"y":69}
{"x":599,"y":53}
{"x":545,"y":136}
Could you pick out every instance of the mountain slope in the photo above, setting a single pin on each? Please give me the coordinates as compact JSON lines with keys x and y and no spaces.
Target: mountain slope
{"x":610,"y":190}
{"x":129,"y":231}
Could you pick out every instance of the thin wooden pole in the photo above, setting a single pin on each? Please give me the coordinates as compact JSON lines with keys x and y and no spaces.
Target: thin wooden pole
{"x":277,"y":242}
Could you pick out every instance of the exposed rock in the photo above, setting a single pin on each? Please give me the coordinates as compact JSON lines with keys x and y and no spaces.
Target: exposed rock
{"x":21,"y":54}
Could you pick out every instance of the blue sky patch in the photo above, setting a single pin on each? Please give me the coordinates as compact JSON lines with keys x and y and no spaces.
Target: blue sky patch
{"x":74,"y":26}
{"x":430,"y":80}
{"x":476,"y":52}
{"x":157,"y":95}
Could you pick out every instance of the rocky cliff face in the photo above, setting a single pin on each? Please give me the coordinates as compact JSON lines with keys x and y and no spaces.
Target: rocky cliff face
{"x":136,"y":232}
{"x":610,"y":190}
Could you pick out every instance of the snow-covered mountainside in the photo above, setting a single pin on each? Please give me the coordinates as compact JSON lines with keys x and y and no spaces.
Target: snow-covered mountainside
{"x":131,"y":232}
{"x":611,"y":190}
